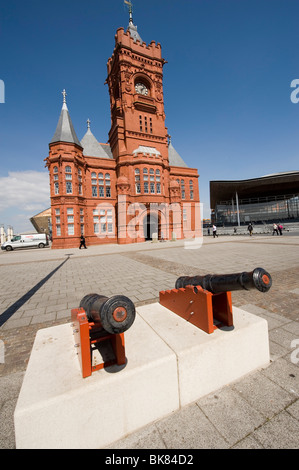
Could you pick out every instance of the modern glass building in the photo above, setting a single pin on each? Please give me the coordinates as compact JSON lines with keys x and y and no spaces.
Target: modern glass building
{"x":266,"y":199}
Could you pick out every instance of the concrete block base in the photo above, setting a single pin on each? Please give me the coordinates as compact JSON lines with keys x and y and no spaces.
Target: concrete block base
{"x":207,"y":362}
{"x":59,"y":409}
{"x":170,"y":363}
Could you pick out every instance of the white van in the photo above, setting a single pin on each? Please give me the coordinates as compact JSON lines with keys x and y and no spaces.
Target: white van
{"x":26,"y":241}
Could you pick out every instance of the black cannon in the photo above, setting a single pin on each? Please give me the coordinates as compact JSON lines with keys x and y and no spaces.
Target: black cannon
{"x":116,"y":314}
{"x":216,"y":283}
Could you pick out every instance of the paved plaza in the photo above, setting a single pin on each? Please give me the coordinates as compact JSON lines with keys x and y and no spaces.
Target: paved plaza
{"x":40,"y":287}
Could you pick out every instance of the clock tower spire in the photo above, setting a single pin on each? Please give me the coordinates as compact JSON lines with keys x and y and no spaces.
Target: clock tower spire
{"x":130,"y":8}
{"x":135,"y":81}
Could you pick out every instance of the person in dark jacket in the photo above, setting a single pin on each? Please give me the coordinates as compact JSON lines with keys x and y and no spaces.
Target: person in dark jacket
{"x":82,"y":242}
{"x":250,"y":228}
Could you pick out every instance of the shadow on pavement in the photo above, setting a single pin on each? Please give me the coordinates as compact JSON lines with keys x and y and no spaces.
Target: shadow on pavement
{"x":18,"y":304}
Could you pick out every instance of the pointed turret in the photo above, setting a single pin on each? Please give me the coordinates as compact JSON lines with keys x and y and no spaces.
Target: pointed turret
{"x":91,"y":147}
{"x":65,"y":131}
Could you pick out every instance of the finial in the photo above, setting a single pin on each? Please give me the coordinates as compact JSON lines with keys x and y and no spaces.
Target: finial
{"x":64,"y":106}
{"x":130,"y":8}
{"x":88,"y":123}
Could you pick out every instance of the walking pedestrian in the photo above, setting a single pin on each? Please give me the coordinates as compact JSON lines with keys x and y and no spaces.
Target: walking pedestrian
{"x":250,"y":228}
{"x":280,"y":228}
{"x":215,"y":231}
{"x":275,"y":229}
{"x":82,"y":242}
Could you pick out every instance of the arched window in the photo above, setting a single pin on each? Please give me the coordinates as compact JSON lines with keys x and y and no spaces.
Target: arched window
{"x":55,"y":169}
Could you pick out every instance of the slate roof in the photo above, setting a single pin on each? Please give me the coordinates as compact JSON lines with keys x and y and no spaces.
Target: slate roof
{"x":92,"y":148}
{"x":107,"y":149}
{"x":65,"y":131}
{"x":133,"y":32}
{"x":174,"y":158}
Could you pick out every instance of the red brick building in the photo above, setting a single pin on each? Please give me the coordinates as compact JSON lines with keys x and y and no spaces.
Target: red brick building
{"x":136,"y":184}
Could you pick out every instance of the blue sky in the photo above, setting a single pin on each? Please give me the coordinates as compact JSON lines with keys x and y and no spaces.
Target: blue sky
{"x":226,"y":86}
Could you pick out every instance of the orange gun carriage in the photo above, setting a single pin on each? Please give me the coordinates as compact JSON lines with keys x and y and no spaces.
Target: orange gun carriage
{"x":100,"y":319}
{"x":206,"y":302}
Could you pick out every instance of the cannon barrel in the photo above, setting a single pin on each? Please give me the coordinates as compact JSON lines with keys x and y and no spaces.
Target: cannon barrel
{"x":116,"y":314}
{"x":216,"y":283}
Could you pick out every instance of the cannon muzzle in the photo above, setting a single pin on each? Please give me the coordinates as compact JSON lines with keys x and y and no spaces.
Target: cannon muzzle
{"x":116,"y":314}
{"x":216,"y":283}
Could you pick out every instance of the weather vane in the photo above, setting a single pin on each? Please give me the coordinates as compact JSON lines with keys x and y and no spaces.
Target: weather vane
{"x":130,"y":8}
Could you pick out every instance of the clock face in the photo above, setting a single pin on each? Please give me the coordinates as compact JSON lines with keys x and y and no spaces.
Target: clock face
{"x":141,"y":89}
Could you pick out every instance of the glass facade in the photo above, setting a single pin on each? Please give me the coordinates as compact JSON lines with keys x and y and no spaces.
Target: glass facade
{"x":258,"y":209}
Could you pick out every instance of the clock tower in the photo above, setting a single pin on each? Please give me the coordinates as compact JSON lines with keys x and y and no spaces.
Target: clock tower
{"x":135,"y":81}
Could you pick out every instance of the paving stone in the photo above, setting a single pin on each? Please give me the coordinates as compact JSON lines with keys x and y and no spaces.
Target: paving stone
{"x":232,"y":416}
{"x":282,"y":337}
{"x":294,"y":410}
{"x":292,"y":327}
{"x":13,"y":323}
{"x":284,"y":374}
{"x":190,"y":429}
{"x":282,"y":432}
{"x":146,"y":438}
{"x":64,"y":314}
{"x":46,"y":317}
{"x":276,"y":351}
{"x":248,"y":443}
{"x":263,"y":395}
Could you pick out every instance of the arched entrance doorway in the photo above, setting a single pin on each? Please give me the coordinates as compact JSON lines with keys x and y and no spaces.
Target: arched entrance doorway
{"x":150,"y":226}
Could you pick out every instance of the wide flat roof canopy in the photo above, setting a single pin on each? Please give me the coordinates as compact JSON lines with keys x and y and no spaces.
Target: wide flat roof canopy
{"x":269,"y":185}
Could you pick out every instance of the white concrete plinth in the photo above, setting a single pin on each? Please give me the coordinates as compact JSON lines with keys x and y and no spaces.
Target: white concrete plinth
{"x":59,"y":409}
{"x":171,"y":363}
{"x":207,"y":362}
